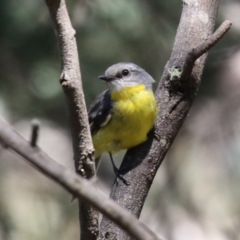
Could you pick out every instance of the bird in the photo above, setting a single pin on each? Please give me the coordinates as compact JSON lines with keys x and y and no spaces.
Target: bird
{"x":122,"y":116}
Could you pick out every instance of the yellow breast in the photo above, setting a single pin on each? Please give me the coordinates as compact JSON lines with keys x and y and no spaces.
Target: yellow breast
{"x":134,"y":113}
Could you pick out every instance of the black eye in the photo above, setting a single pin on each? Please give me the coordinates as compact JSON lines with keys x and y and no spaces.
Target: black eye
{"x":125,"y":72}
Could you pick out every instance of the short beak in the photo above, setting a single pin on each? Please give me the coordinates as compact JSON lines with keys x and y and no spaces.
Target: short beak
{"x":105,"y":78}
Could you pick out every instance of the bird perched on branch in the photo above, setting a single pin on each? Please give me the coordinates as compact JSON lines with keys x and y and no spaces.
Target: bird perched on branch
{"x":121,"y":117}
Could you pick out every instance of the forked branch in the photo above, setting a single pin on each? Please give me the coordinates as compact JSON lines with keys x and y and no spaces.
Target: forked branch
{"x":212,"y":40}
{"x":175,"y":94}
{"x":198,"y":51}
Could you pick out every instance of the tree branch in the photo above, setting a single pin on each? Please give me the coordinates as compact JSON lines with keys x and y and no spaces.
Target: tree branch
{"x":175,"y":94}
{"x":203,"y":48}
{"x":212,"y":40}
{"x":72,"y":87}
{"x":74,"y":184}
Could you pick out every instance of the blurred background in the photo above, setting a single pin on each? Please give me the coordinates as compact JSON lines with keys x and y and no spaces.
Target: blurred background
{"x":196,"y":193}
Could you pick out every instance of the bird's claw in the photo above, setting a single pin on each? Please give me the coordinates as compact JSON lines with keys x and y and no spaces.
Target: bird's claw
{"x":119,"y":176}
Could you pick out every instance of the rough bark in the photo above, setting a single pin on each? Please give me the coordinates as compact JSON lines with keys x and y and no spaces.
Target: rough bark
{"x":175,"y":95}
{"x":72,"y":86}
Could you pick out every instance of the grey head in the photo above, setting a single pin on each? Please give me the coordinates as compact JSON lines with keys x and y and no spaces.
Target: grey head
{"x":126,"y":74}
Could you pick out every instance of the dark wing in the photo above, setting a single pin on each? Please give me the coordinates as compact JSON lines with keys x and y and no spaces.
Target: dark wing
{"x":100,"y":111}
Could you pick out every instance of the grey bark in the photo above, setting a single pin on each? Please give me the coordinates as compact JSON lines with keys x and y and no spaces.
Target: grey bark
{"x":175,"y":94}
{"x":72,"y":86}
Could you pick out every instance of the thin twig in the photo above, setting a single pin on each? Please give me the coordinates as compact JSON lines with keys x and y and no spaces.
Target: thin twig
{"x":74,"y":184}
{"x":35,"y":131}
{"x":198,"y":51}
{"x":212,"y":40}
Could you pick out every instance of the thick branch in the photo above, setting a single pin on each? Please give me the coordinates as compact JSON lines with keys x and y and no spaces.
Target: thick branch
{"x":74,"y":184}
{"x":72,"y":87}
{"x":175,"y":94}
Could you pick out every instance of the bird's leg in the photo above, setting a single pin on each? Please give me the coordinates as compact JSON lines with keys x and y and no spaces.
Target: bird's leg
{"x":116,"y":171}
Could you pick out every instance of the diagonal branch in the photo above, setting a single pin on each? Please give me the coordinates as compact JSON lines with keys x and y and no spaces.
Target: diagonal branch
{"x":72,"y":87}
{"x":74,"y":184}
{"x":175,"y":95}
{"x":198,"y":51}
{"x":212,"y":40}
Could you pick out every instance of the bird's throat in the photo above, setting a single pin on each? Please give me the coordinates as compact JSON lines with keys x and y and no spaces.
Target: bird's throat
{"x":127,"y":92}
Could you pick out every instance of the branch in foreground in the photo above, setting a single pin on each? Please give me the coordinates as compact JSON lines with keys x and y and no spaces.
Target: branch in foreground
{"x":74,"y":184}
{"x":175,"y":95}
{"x":72,"y":87}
